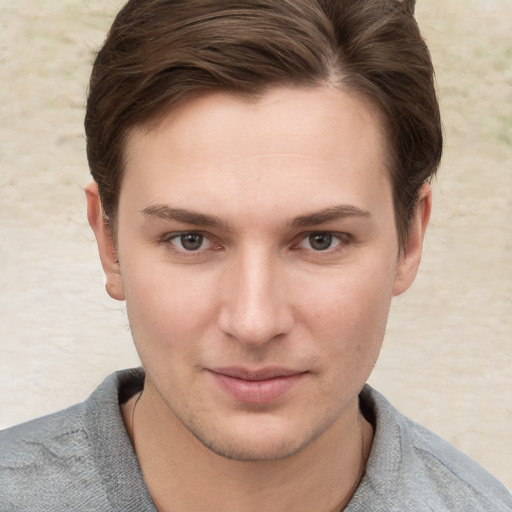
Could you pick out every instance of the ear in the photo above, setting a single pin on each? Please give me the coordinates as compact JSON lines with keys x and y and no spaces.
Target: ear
{"x":409,"y":262}
{"x":106,"y":246}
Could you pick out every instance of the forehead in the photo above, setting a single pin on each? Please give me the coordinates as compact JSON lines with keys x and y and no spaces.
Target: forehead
{"x":290,"y":143}
{"x":292,"y":109}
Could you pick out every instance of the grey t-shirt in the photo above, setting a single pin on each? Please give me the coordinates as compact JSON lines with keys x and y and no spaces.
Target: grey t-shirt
{"x":81,"y":459}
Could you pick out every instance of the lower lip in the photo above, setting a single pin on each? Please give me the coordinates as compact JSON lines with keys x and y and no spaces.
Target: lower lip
{"x":257,"y":391}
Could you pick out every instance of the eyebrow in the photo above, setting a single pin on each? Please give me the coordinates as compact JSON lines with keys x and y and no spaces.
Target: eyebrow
{"x":329,"y":214}
{"x":165,"y":212}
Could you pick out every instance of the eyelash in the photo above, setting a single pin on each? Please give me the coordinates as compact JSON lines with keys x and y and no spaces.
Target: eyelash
{"x":344,"y":240}
{"x":168,"y":239}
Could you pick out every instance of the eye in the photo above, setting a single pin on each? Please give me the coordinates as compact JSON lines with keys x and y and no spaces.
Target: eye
{"x":189,"y":242}
{"x":320,"y":241}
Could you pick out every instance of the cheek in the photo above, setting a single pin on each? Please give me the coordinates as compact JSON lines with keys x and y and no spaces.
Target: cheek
{"x":166,"y":309}
{"x":348,"y":328}
{"x":350,"y":308}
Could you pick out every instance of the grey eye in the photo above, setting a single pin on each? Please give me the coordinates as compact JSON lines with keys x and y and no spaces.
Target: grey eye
{"x":320,"y":241}
{"x":191,"y":241}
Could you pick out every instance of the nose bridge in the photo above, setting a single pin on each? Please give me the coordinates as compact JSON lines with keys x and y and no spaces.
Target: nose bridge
{"x":255,"y":309}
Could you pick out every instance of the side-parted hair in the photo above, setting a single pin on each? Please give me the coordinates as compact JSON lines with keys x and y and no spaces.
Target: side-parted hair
{"x":159,"y":53}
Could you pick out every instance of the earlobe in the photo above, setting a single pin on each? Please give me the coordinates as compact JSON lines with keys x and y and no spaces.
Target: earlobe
{"x":106,"y":246}
{"x":407,"y":267}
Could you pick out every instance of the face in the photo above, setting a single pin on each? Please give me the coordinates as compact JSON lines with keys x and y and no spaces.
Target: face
{"x":258,"y":256}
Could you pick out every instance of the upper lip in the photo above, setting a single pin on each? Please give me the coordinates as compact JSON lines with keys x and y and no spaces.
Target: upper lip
{"x":256,"y":374}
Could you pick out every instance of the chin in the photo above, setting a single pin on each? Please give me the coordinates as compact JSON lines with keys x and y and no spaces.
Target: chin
{"x":265,"y":443}
{"x":248,"y":451}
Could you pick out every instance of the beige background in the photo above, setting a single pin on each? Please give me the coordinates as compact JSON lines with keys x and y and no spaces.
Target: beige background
{"x":447,"y":358}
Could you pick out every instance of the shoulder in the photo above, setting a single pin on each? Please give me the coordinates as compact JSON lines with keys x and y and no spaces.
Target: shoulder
{"x":43,"y":461}
{"x":409,"y":465}
{"x":61,"y":460}
{"x":23,"y":444}
{"x":452,"y":476}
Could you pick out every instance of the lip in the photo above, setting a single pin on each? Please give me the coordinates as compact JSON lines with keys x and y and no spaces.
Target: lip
{"x":261,"y":386}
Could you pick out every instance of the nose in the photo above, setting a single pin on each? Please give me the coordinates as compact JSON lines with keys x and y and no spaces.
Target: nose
{"x":255,"y":305}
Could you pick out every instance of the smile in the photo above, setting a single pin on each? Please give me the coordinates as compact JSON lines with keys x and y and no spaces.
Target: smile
{"x":256,"y":387}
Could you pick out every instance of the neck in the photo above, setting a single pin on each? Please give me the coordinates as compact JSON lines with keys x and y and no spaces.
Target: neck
{"x":181,"y":474}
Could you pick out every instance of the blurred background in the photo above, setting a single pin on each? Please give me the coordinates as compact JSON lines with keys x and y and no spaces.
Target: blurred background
{"x":447,"y":356}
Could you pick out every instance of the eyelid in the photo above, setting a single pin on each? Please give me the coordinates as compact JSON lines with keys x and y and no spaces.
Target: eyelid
{"x":344,"y":240}
{"x":167,"y":240}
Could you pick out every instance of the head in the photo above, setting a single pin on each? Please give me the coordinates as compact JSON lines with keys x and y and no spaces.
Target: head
{"x":260,"y":195}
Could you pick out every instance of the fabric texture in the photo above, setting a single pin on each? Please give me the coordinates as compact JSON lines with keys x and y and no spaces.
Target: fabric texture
{"x":81,"y":459}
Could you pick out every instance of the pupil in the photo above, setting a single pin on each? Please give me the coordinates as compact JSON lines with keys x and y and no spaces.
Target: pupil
{"x":191,"y":241}
{"x":320,"y":241}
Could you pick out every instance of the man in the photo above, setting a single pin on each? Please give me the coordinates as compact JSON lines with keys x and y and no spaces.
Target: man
{"x":260,"y":194}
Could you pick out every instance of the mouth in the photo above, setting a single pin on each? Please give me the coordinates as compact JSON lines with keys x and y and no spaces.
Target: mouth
{"x":262,"y":386}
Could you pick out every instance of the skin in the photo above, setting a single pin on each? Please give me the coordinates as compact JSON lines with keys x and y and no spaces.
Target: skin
{"x":292,"y":264}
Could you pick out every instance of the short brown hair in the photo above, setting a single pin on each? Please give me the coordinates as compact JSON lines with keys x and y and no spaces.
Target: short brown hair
{"x":161,"y":52}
